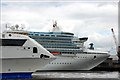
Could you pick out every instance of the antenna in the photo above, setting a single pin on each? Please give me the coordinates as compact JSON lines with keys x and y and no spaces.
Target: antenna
{"x":12,"y":28}
{"x":55,"y":27}
{"x":22,"y":26}
{"x":55,"y":24}
{"x":7,"y":25}
{"x":16,"y":26}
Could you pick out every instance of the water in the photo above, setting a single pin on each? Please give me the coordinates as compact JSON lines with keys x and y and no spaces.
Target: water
{"x":75,"y":75}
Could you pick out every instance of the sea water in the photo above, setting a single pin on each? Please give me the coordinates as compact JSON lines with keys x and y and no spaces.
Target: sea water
{"x":75,"y":75}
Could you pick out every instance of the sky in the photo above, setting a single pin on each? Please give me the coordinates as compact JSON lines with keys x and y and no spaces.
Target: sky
{"x":93,"y":19}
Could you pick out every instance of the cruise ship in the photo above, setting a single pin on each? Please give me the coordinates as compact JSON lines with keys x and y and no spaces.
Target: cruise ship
{"x":21,"y":56}
{"x":69,"y":50}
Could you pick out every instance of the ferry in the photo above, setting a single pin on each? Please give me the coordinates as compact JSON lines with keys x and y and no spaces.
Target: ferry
{"x":21,"y":56}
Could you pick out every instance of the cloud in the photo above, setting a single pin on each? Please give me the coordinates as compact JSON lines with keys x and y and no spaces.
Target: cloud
{"x":59,"y":0}
{"x":92,"y":19}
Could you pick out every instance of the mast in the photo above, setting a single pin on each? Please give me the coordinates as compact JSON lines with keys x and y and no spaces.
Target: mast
{"x":55,"y":27}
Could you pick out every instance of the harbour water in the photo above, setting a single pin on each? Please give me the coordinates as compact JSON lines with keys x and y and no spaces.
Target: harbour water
{"x":77,"y":75}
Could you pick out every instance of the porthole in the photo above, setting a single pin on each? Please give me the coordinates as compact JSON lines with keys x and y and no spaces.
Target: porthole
{"x":9,"y":69}
{"x":10,"y":35}
{"x":94,"y":57}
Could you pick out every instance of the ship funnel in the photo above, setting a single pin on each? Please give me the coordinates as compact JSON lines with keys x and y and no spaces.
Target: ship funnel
{"x":91,"y":46}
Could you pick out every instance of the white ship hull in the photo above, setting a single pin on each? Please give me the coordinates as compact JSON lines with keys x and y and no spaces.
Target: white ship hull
{"x":78,"y":62}
{"x":17,"y":59}
{"x":23,"y":64}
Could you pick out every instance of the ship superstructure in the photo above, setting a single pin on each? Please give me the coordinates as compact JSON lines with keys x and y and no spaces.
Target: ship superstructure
{"x":57,"y":42}
{"x":69,"y":50}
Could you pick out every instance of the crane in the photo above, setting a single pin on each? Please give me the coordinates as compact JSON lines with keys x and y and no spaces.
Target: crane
{"x":117,"y":48}
{"x":115,"y":39}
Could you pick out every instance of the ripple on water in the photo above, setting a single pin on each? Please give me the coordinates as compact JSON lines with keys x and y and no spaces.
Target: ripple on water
{"x":102,"y":75}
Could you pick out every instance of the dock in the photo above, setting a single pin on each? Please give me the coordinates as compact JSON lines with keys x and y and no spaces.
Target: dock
{"x":111,"y":64}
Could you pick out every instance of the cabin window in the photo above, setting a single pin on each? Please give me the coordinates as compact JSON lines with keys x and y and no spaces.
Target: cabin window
{"x":35,"y":50}
{"x":46,"y":35}
{"x":12,"y":42}
{"x":42,"y":35}
{"x":52,"y":35}
{"x":36,"y":34}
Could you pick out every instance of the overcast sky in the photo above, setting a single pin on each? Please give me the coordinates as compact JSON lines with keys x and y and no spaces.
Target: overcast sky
{"x":84,"y":18}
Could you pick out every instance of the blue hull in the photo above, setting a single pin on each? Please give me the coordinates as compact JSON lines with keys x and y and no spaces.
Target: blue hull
{"x":23,"y":75}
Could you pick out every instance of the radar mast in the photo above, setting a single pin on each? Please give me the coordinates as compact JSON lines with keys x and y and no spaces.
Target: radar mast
{"x":55,"y":27}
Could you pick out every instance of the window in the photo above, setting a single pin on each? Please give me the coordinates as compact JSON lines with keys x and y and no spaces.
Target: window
{"x":42,"y":35}
{"x":28,"y":47}
{"x":36,"y":34}
{"x":94,"y":57}
{"x":12,"y":42}
{"x":46,"y":35}
{"x":10,"y":35}
{"x":52,"y":35}
{"x":35,"y":50}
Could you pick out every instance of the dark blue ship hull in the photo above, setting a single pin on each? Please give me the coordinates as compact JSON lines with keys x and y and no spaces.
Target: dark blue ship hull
{"x":23,"y":75}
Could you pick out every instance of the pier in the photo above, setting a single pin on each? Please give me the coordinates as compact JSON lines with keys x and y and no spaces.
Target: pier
{"x":111,"y":64}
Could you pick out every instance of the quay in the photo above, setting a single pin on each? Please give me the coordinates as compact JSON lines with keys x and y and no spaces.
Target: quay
{"x":111,"y":64}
